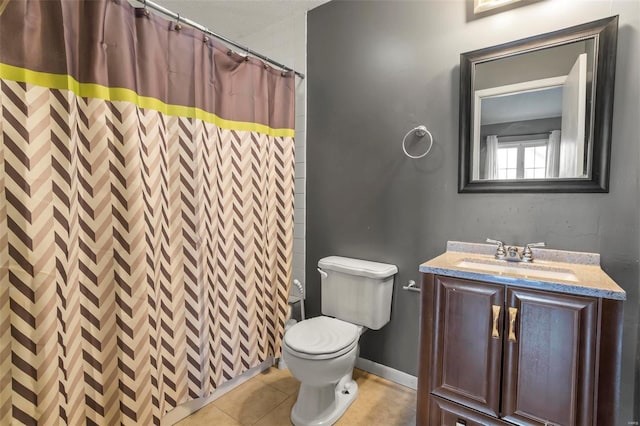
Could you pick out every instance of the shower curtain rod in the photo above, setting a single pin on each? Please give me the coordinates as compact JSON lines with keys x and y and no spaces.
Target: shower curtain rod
{"x":180,"y":19}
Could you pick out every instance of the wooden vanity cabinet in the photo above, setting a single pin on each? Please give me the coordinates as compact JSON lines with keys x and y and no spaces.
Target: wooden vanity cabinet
{"x":466,"y":362}
{"x":492,"y":354}
{"x":549,"y":359}
{"x":443,"y":412}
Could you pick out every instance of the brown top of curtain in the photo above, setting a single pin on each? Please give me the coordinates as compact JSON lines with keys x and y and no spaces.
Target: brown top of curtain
{"x":112,"y":44}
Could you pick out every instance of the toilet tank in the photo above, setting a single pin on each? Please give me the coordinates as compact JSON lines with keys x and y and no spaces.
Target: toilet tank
{"x":357,"y":291}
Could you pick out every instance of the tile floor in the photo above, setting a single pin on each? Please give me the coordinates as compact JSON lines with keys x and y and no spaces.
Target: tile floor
{"x":266,"y":400}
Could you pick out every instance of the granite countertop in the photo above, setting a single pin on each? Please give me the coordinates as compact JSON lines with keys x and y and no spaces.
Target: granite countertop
{"x":555,"y":270}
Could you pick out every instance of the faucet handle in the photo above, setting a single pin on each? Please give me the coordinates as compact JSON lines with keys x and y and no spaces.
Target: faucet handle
{"x":500,"y":252}
{"x":540,"y":244}
{"x":527,"y":254}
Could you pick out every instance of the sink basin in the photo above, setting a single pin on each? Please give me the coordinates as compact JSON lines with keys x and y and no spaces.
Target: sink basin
{"x":525,"y":270}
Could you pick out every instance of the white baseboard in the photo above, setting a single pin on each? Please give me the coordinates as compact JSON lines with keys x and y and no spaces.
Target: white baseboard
{"x":190,"y":407}
{"x":391,"y":374}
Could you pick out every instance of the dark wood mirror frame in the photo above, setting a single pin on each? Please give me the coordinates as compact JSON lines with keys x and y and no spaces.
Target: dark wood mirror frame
{"x":605,"y":34}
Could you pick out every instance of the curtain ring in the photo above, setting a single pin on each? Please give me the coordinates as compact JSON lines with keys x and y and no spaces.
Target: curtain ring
{"x":178,"y":27}
{"x":145,"y":10}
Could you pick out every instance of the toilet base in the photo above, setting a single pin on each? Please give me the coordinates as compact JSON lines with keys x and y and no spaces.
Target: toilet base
{"x":323,"y":405}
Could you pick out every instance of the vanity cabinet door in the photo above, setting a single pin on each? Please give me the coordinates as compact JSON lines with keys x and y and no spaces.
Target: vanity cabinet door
{"x":446,"y":413}
{"x":467,"y":348}
{"x":549,"y":358}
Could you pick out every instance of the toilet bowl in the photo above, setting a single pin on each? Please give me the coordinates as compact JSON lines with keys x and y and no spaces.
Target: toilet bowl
{"x":321,"y":352}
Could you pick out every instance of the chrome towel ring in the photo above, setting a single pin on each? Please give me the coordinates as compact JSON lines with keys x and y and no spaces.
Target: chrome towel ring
{"x":420,"y":132}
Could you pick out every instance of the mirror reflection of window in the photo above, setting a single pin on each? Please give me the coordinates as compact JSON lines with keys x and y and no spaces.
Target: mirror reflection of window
{"x":535,"y":161}
{"x":523,"y":159}
{"x":559,"y":85}
{"x":507,"y":163}
{"x":527,"y":106}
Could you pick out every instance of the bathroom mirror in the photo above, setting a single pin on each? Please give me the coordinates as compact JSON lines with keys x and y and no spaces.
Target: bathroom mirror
{"x":535,"y":114}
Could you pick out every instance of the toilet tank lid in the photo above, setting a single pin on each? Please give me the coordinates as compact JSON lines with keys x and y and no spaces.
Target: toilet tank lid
{"x":359,"y":267}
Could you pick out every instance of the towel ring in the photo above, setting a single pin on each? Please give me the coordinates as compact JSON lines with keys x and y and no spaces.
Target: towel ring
{"x":420,"y":132}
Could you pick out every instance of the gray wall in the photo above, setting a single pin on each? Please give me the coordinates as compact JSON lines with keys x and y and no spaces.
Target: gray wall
{"x":378,"y":69}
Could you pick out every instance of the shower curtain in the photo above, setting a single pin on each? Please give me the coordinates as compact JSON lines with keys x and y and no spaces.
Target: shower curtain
{"x":146,"y":213}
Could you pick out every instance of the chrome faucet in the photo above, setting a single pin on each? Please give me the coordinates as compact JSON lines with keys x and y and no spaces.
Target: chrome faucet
{"x":527,"y":253}
{"x":512,"y":254}
{"x":500,"y":252}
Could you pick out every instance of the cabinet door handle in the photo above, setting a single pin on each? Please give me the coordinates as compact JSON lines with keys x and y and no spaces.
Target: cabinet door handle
{"x":513,"y":312}
{"x":496,"y":316}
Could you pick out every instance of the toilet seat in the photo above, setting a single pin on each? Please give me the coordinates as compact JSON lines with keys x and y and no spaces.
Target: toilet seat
{"x":321,"y":338}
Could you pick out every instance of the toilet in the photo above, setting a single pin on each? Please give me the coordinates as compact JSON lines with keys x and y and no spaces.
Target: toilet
{"x":321,"y":352}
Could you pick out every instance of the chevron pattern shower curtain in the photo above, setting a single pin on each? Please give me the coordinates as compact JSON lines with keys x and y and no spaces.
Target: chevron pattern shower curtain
{"x":146,"y":213}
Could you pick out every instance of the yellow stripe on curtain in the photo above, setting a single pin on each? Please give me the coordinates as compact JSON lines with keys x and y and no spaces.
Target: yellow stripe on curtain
{"x":91,"y":90}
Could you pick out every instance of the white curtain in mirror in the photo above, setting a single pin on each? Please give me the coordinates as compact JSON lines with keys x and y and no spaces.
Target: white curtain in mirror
{"x":553,"y":154}
{"x":491,"y":164}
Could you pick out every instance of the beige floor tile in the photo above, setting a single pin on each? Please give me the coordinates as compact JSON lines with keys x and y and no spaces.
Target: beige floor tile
{"x":208,"y":415}
{"x":380,"y":402}
{"x":368,"y":413}
{"x":267,"y":400}
{"x":250,"y":401}
{"x":357,"y":373}
{"x":281,"y":380}
{"x":281,"y":416}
